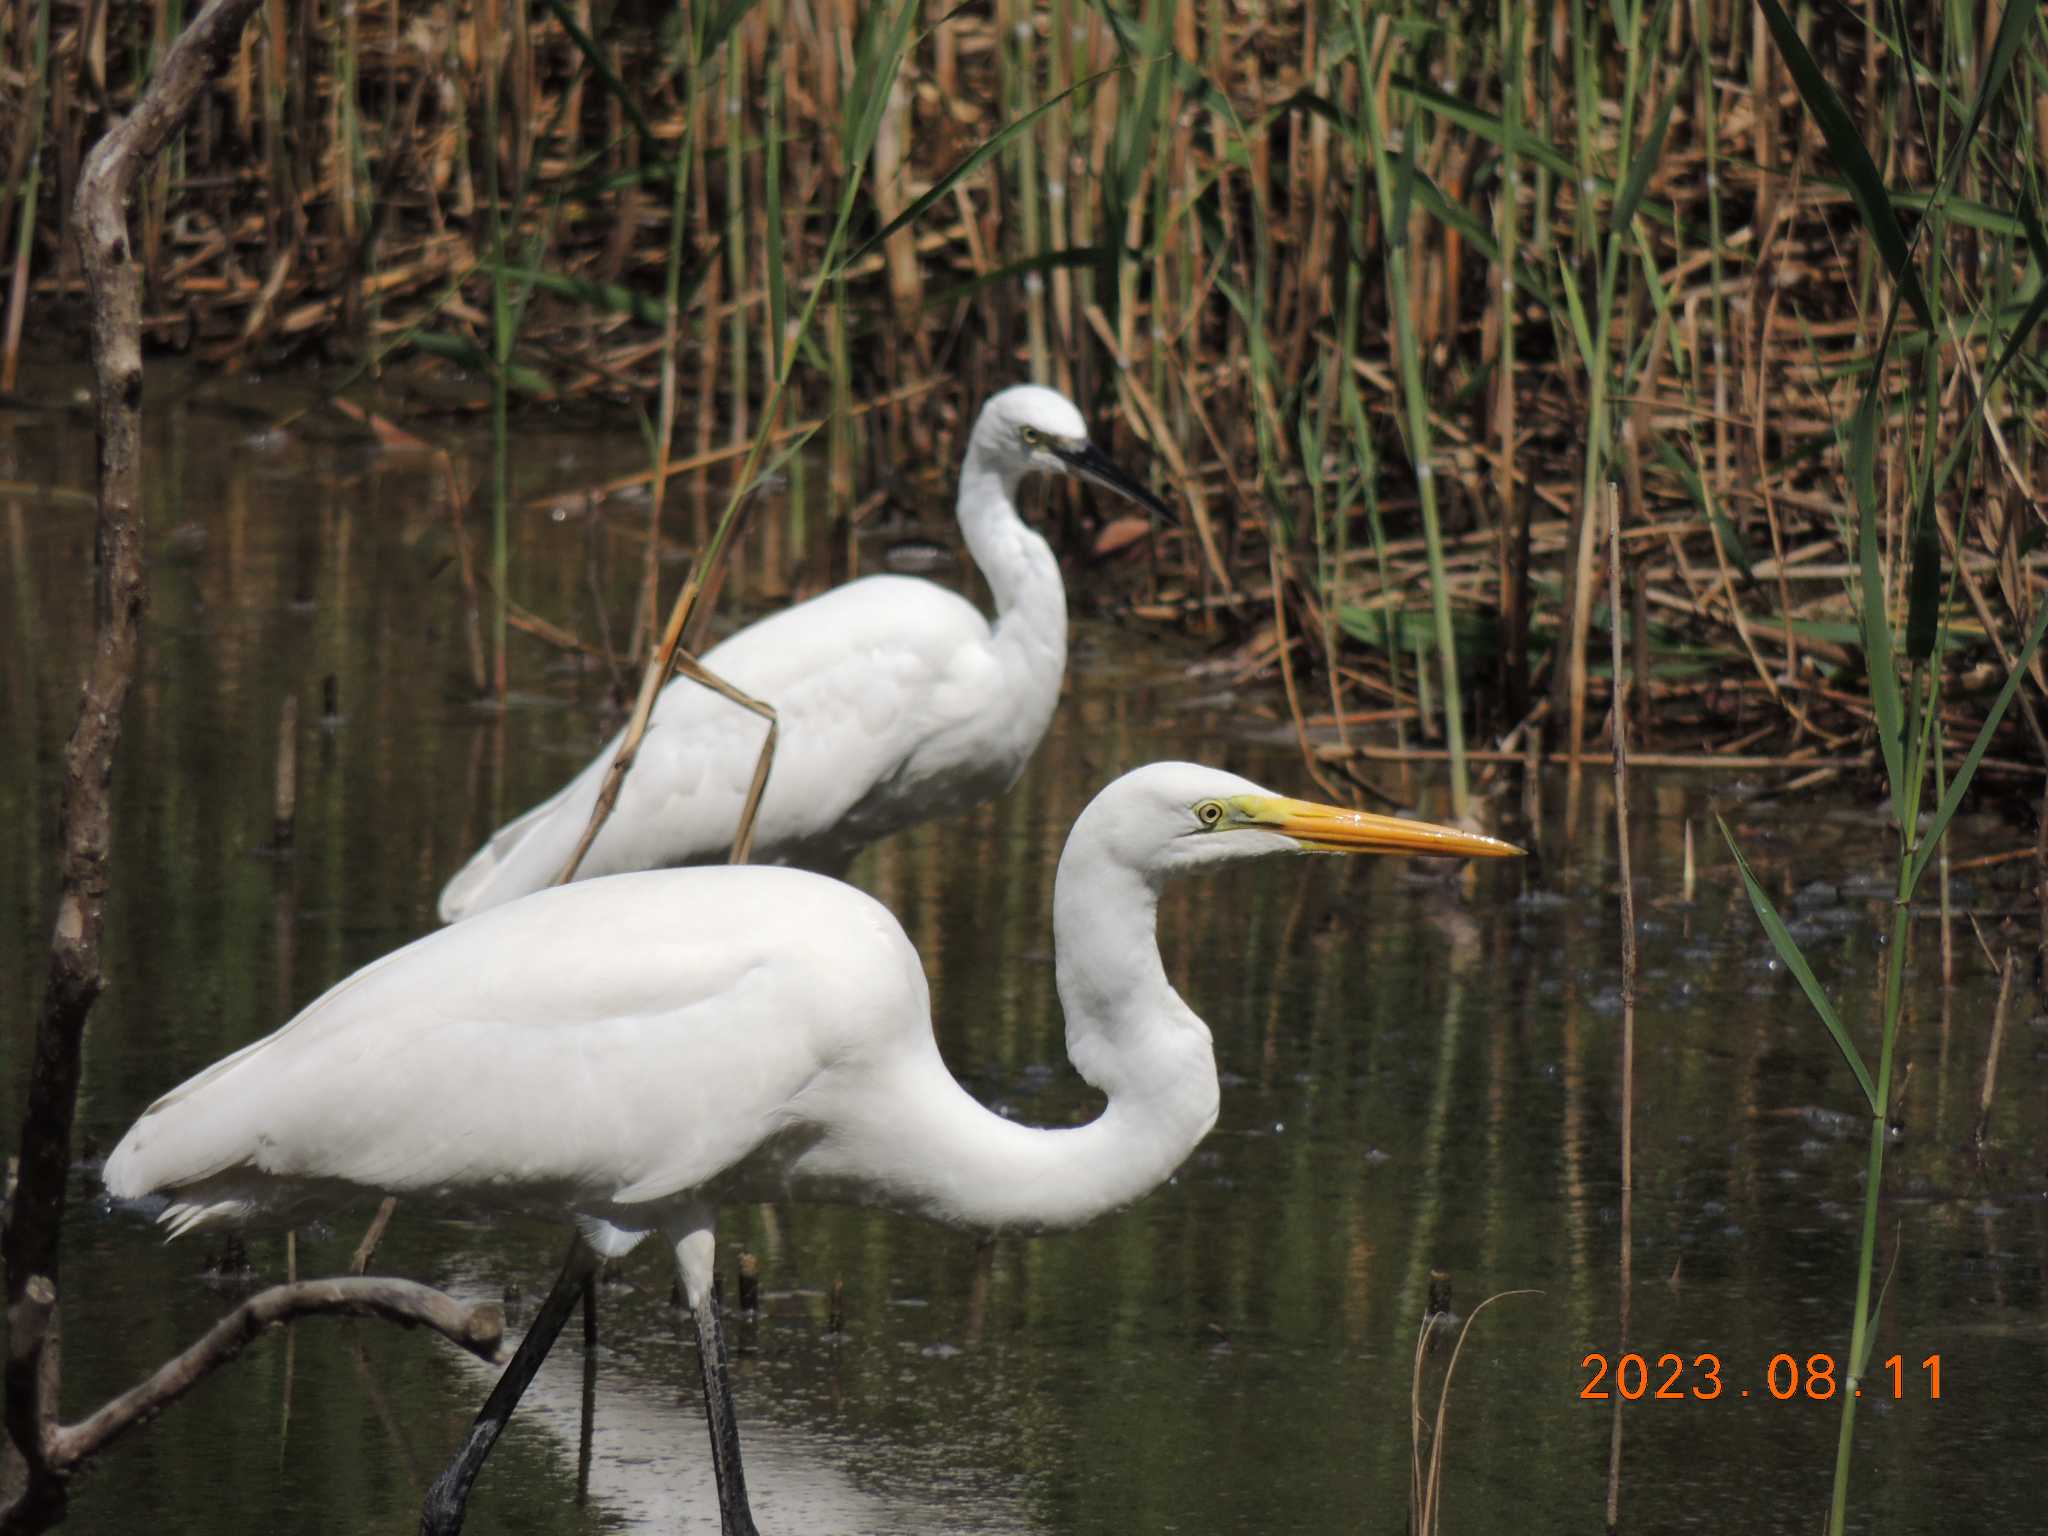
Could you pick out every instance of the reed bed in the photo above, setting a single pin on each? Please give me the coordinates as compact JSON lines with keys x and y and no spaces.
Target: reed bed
{"x":1393,"y":295}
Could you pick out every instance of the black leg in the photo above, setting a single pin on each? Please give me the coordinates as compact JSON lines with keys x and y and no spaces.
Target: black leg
{"x":589,"y":1414}
{"x":442,"y":1513}
{"x":734,"y":1518}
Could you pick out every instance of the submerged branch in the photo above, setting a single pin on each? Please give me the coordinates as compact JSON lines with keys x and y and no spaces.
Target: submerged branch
{"x":480,"y":1329}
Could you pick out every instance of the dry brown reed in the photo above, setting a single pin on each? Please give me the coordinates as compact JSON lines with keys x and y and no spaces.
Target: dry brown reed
{"x":1628,"y":254}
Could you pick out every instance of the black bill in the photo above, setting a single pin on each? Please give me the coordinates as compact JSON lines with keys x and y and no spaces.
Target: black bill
{"x":1091,"y":463}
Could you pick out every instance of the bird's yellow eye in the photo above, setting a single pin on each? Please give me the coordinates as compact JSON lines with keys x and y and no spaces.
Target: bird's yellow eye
{"x":1209,"y":812}
{"x":1031,"y":435}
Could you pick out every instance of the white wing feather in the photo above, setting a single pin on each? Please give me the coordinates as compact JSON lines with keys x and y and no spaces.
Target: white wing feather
{"x":608,"y":1042}
{"x":882,"y":688}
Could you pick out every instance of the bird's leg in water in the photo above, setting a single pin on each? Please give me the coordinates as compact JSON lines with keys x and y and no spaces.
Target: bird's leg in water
{"x":441,"y":1515}
{"x":694,"y":1260}
{"x":589,"y":1414}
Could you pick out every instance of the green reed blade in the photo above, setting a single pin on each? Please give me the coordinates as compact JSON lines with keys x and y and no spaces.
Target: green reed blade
{"x":1010,"y":271}
{"x":1845,"y":143}
{"x":971,"y":162}
{"x":601,"y":66}
{"x":1575,"y":308}
{"x":1640,"y":166}
{"x":2014,"y":28}
{"x":1795,"y":962}
{"x":1486,"y":125}
{"x":2015,"y":341}
{"x":1953,"y":798}
{"x":1470,"y":226}
{"x":1877,"y":628}
{"x":719,"y":24}
{"x":611,"y":298}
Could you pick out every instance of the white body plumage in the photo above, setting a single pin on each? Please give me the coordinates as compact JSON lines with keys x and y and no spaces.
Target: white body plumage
{"x":634,"y":1051}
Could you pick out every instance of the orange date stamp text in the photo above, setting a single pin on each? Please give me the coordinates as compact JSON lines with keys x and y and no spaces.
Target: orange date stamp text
{"x":1672,"y":1378}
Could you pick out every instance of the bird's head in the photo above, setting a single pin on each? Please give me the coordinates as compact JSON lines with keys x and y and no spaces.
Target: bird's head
{"x":1169,"y":818}
{"x":1029,"y":429}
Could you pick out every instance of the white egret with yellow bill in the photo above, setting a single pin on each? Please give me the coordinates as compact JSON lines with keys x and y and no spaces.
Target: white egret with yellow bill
{"x":635,"y":1052}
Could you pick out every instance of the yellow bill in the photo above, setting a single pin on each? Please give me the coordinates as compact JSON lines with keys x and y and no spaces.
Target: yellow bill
{"x":1329,"y":829}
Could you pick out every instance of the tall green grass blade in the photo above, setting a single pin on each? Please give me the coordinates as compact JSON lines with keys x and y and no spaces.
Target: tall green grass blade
{"x":475,"y":359}
{"x":1453,"y":215}
{"x":2037,"y":238}
{"x":1845,"y":143}
{"x":1136,"y":135}
{"x":1575,"y":307}
{"x":1860,"y":1367}
{"x":1456,"y":216}
{"x":1877,"y":628}
{"x":1732,"y":541}
{"x":1404,"y":187}
{"x":2015,"y":343}
{"x":788,"y":452}
{"x":2014,"y":28}
{"x":1957,"y":210}
{"x":1137,"y":42}
{"x":973,"y":161}
{"x":778,"y":275}
{"x":1485,"y":125}
{"x":1947,"y":809}
{"x":601,"y":66}
{"x":1010,"y":271}
{"x":1645,"y":161}
{"x":1795,"y":962}
{"x":612,"y":298}
{"x":1923,"y":583}
{"x":878,"y":53}
{"x":2030,"y":317}
{"x":719,"y":25}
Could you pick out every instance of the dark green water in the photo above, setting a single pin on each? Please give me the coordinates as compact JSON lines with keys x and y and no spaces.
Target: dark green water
{"x":1418,"y":1074}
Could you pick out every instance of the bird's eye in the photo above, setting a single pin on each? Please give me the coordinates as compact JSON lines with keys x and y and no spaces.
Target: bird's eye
{"x":1209,"y":812}
{"x":1032,"y":436}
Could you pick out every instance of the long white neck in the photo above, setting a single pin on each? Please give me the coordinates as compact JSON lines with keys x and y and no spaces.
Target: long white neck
{"x":1022,"y":574}
{"x":944,"y":1156}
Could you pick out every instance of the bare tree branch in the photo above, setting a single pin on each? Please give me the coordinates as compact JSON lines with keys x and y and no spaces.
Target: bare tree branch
{"x":479,"y":1329}
{"x":35,"y":1216}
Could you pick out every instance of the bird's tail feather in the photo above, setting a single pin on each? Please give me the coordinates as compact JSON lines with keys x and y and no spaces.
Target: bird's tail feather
{"x":513,"y":863}
{"x":182,"y":1217}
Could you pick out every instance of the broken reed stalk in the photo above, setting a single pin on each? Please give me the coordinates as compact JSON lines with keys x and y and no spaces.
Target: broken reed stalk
{"x":1618,"y":716}
{"x":373,"y":1236}
{"x":472,"y":601}
{"x":1426,"y":1491}
{"x":1998,"y":1017}
{"x":284,"y":808}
